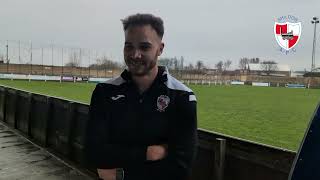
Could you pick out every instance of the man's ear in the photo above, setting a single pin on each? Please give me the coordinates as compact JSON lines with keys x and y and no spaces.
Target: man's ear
{"x":161,"y":49}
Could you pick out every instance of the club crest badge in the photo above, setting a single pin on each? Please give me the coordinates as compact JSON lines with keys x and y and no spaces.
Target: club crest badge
{"x":287,"y":32}
{"x":162,"y":103}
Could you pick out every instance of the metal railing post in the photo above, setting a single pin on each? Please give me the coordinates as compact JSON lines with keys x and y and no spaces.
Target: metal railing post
{"x":219,"y":158}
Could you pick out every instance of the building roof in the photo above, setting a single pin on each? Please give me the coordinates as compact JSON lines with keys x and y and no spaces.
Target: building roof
{"x":280,"y":67}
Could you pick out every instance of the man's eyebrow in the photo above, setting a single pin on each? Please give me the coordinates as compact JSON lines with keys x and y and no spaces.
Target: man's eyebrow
{"x":146,"y":43}
{"x":141,"y":43}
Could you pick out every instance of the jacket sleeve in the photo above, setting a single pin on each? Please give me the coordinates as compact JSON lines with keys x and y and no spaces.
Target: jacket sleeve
{"x":183,"y":140}
{"x":99,"y":152}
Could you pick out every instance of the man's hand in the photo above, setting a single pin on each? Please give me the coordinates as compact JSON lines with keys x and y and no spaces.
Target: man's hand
{"x":107,"y":174}
{"x":156,"y":152}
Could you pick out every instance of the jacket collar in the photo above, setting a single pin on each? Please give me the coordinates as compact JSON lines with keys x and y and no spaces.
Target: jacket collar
{"x":162,"y":74}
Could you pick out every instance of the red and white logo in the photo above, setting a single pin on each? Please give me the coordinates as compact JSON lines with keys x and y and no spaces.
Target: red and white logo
{"x":162,"y":103}
{"x":287,"y":34}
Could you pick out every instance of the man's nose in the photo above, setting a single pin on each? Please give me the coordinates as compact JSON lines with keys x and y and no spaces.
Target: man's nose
{"x":136,"y":54}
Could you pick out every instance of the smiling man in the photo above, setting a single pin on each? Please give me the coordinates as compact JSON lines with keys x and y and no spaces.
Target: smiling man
{"x":143,"y":124}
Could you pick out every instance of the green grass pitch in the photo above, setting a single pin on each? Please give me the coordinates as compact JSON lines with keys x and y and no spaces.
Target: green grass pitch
{"x":269,"y":115}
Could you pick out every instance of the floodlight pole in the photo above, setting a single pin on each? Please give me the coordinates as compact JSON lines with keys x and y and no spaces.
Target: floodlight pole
{"x":19,"y":59}
{"x":7,"y":46}
{"x":31,"y":57}
{"x":52,"y":59}
{"x":89,"y":61}
{"x":80,"y":54}
{"x":62,"y":62}
{"x":42,"y":61}
{"x":315,"y":21}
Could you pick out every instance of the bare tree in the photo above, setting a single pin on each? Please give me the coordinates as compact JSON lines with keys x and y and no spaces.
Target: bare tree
{"x":199,"y":65}
{"x":181,"y":62}
{"x":105,"y":63}
{"x":171,"y":63}
{"x":189,"y":67}
{"x":2,"y":59}
{"x":164,"y":62}
{"x":268,"y":66}
{"x":74,"y":60}
{"x":226,"y":65}
{"x":219,"y":66}
{"x":254,"y":61}
{"x":175,"y":63}
{"x":243,"y":62}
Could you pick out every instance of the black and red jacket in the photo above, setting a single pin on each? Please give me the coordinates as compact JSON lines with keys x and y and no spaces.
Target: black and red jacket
{"x":123,"y":123}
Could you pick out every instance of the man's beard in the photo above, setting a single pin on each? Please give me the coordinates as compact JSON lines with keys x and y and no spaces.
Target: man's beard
{"x":140,"y":67}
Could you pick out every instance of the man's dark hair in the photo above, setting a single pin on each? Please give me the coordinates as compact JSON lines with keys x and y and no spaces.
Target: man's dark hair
{"x":144,"y":19}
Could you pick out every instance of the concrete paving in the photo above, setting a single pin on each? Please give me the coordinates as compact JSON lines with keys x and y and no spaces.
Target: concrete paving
{"x":20,"y":159}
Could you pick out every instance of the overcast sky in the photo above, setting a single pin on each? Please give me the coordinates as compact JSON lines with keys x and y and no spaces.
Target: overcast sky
{"x":205,"y":30}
